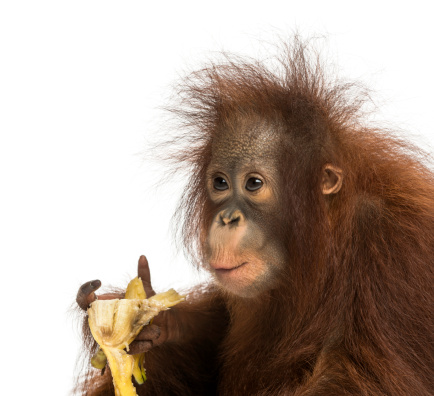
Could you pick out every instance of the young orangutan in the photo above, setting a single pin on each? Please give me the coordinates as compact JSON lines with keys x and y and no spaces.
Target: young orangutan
{"x":318,"y":232}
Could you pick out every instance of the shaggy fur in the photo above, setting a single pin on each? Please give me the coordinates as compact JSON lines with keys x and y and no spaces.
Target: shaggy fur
{"x":352,"y":314}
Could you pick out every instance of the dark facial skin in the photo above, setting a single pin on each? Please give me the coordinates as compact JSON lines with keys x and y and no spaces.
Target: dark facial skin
{"x":241,"y":249}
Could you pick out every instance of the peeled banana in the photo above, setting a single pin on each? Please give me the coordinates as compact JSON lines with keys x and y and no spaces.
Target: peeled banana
{"x":135,"y":290}
{"x":114,"y":325}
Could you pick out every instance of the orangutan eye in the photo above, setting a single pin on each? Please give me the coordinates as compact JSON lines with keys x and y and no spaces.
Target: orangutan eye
{"x":254,"y":184}
{"x":220,"y":184}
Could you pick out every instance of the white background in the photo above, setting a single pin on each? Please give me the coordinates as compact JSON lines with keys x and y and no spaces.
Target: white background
{"x":80,"y":87}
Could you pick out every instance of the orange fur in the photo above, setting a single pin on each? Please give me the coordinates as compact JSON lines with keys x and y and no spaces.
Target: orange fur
{"x":352,"y":314}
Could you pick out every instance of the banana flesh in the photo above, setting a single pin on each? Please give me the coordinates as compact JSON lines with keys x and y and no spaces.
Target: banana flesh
{"x":114,"y":325}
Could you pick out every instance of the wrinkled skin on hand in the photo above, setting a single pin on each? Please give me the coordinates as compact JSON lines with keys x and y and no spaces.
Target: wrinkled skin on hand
{"x":151,"y":335}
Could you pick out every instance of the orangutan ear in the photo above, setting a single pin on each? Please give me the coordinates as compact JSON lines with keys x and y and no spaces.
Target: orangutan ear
{"x":331,"y":181}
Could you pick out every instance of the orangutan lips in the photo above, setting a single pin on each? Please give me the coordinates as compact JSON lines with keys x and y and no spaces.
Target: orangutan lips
{"x":223,"y":270}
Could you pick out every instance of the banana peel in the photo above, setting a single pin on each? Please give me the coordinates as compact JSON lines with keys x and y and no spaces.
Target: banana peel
{"x":99,"y":360}
{"x":114,"y":325}
{"x":139,"y":372}
{"x":135,"y":290}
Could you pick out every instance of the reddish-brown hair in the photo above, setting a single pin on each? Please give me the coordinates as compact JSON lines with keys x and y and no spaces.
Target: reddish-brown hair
{"x":352,"y":313}
{"x":360,"y":280}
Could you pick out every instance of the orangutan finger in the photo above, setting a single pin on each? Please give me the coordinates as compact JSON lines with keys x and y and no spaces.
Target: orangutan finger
{"x":140,"y":347}
{"x":86,"y":293}
{"x":145,"y":275}
{"x":150,"y":332}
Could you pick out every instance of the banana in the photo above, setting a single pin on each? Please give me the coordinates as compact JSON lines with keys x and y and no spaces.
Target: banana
{"x":114,"y":325}
{"x":139,"y":372}
{"x":99,"y":360}
{"x":135,"y":290}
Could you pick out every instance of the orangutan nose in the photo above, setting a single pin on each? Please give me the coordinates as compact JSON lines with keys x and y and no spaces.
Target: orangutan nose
{"x":231,"y":217}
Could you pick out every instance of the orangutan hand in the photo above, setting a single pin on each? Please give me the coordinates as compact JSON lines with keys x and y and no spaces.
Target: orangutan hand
{"x":151,"y":335}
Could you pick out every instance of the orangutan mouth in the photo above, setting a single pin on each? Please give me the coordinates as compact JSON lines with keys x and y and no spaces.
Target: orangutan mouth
{"x":222,"y":270}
